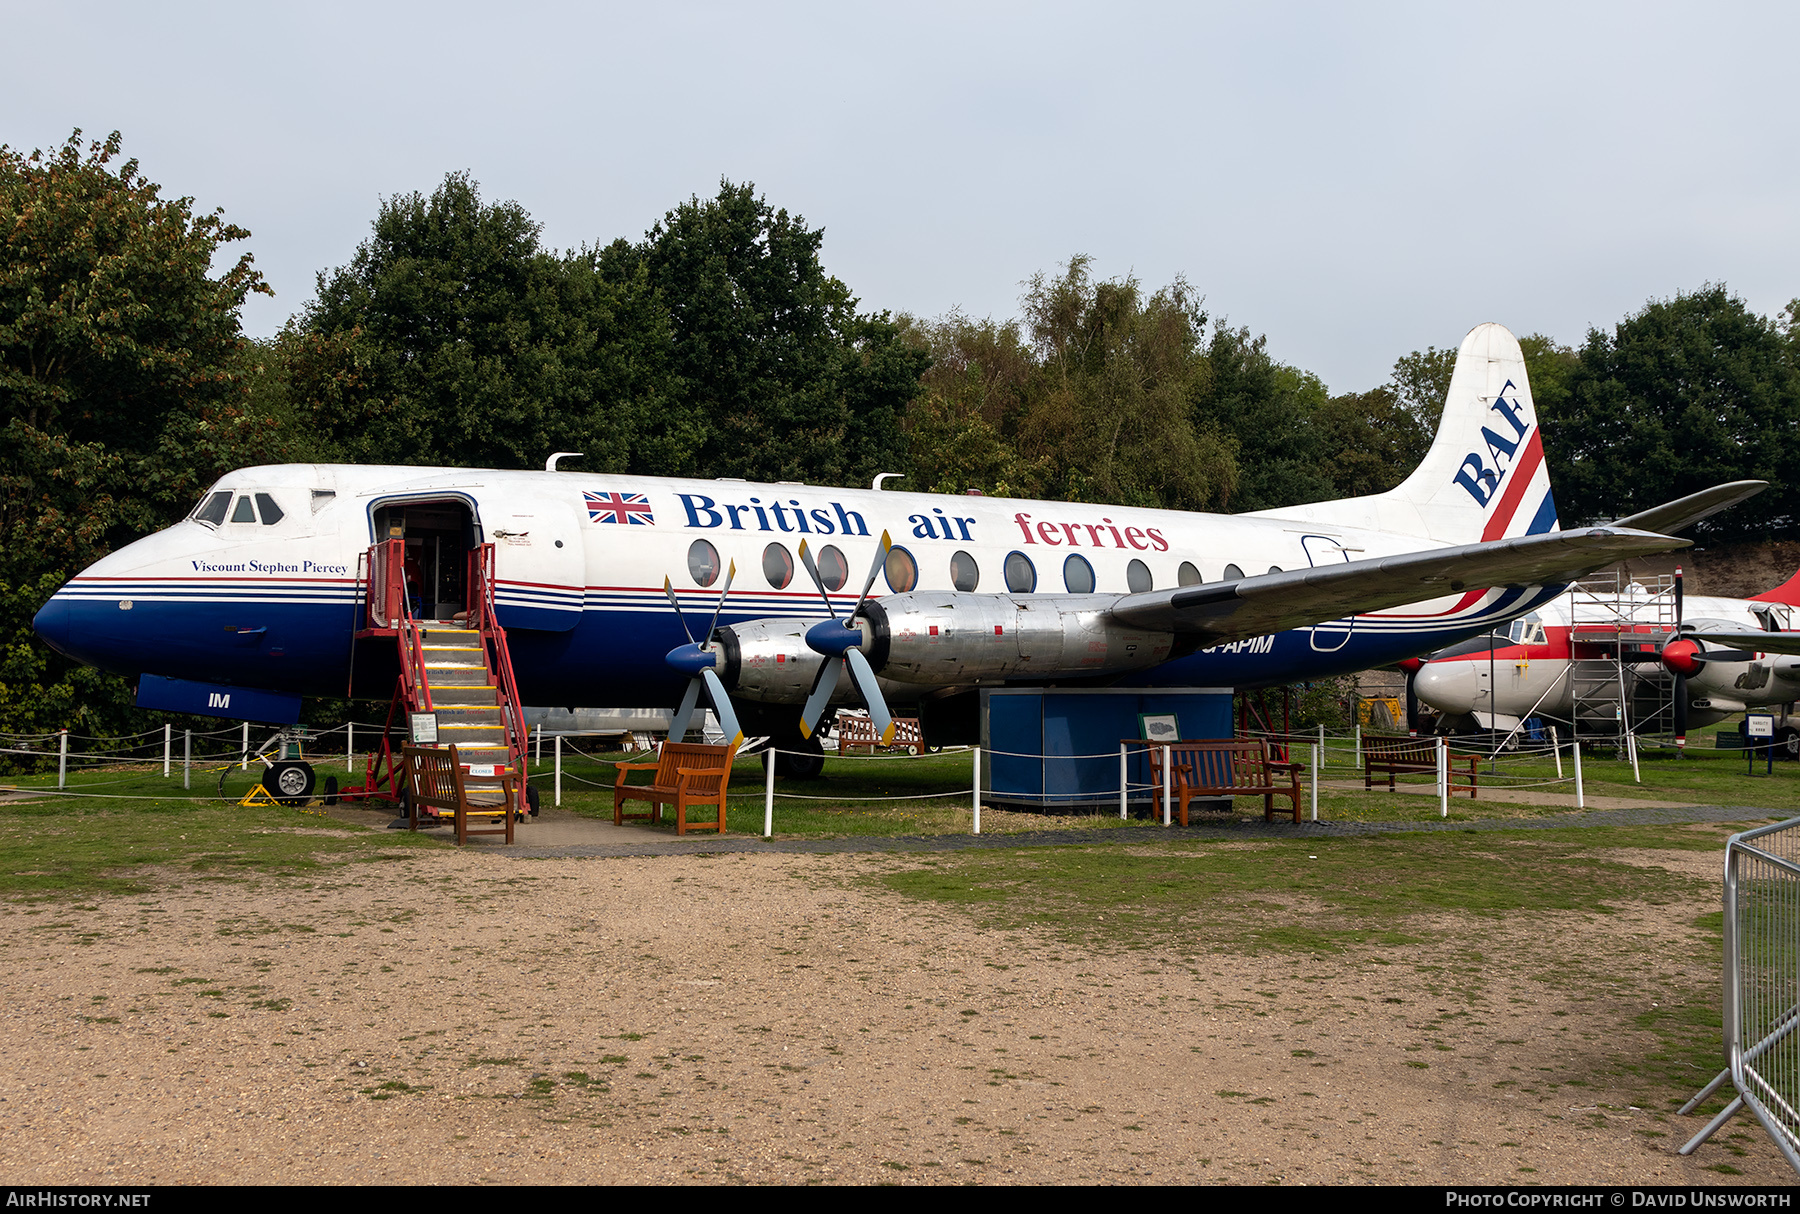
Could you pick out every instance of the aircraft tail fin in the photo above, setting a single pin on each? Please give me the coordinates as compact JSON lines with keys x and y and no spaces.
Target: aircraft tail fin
{"x":1788,"y":592}
{"x":1484,"y":477}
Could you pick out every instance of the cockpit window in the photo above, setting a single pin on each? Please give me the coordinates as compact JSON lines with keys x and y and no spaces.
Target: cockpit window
{"x":212,"y":510}
{"x":1527,"y":631}
{"x":244,"y":512}
{"x":271,"y":513}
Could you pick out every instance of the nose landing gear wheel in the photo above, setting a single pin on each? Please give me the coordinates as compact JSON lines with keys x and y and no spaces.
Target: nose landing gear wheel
{"x":290,"y":783}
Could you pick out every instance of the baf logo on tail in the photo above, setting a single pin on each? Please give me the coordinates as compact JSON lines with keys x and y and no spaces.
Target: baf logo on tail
{"x":1475,"y":476}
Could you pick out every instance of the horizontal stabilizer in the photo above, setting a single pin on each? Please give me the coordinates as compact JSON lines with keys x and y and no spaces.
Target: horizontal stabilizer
{"x":1274,"y":602}
{"x":1684,"y":512}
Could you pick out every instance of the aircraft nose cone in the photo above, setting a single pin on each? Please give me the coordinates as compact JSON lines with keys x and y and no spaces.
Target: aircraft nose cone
{"x":1447,"y":686}
{"x":52,"y":624}
{"x":1682,"y":657}
{"x":690,"y":659}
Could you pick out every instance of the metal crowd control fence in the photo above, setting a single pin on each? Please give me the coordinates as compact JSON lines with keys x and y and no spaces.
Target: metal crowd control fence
{"x":1762,"y":986}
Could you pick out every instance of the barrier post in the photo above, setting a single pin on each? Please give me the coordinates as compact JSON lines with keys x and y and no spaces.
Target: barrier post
{"x":538,"y":754}
{"x":349,"y":745}
{"x":1315,"y":776}
{"x":1580,"y":796}
{"x":168,"y":746}
{"x":976,"y":751}
{"x":1124,"y":776}
{"x":1357,"y":757}
{"x":1556,"y":749}
{"x":244,"y":761}
{"x":1631,"y":744}
{"x":558,"y":744}
{"x":62,"y":758}
{"x":1443,"y":776}
{"x":769,"y":794}
{"x":1167,"y":784}
{"x":187,"y":758}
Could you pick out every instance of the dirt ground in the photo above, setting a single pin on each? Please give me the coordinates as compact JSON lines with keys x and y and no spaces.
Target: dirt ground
{"x":460,"y":1018}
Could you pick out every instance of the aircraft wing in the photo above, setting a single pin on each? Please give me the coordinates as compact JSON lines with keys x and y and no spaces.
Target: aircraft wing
{"x":1255,"y":606}
{"x":1754,"y":642}
{"x":1686,"y":511}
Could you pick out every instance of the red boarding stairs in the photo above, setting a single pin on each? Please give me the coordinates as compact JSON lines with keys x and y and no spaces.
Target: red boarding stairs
{"x":459,"y":670}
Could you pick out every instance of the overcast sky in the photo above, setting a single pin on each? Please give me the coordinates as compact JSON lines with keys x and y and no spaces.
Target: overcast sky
{"x":1355,"y":181}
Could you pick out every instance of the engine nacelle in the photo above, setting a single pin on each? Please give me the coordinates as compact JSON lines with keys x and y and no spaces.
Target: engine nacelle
{"x":946,"y":638}
{"x":768,"y":659}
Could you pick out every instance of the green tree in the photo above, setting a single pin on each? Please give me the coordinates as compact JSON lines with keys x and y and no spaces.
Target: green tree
{"x":1684,"y":394}
{"x":452,"y":337}
{"x":1370,"y":441}
{"x":1267,"y":407}
{"x":772,"y":360}
{"x":122,"y":379}
{"x":1114,"y":410}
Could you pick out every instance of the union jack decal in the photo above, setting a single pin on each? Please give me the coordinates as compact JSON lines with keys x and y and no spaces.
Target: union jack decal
{"x":633,"y":508}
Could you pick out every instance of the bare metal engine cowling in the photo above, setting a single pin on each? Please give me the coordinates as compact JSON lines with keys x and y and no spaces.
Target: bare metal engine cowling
{"x":944,"y":638}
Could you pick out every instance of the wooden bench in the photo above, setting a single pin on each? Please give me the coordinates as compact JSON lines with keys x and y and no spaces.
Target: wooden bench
{"x":687,"y":773}
{"x":434,"y":780}
{"x":855,"y":729}
{"x":1225,"y":767}
{"x":1413,"y":756}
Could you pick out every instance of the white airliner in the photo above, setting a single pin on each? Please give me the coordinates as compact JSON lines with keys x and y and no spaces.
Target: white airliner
{"x":261,"y":588}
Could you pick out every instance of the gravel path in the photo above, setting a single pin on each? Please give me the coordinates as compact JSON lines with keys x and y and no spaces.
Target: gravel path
{"x":773,"y":1015}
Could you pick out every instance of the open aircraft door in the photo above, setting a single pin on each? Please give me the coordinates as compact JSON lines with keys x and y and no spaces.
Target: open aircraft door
{"x":540,"y":567}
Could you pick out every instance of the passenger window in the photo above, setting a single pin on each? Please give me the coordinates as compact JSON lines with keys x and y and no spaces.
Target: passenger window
{"x":778,"y":566}
{"x":1189,"y":575}
{"x":703,"y":563}
{"x":245,"y":512}
{"x":902,"y":570}
{"x":965,"y":575}
{"x":1232,"y":572}
{"x":213,"y":509}
{"x":271,"y":513}
{"x":1138,"y":579}
{"x":1078,"y":575}
{"x":834,"y":570}
{"x":1274,"y":568}
{"x":1021,"y":574}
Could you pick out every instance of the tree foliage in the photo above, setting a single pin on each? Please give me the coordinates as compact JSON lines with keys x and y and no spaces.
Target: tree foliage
{"x":122,"y":381}
{"x":452,"y":337}
{"x":1682,"y":395}
{"x":781,"y":374}
{"x":1091,"y":399}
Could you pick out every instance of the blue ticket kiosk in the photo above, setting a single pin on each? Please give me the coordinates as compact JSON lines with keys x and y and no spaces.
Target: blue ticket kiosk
{"x":1058,"y":748}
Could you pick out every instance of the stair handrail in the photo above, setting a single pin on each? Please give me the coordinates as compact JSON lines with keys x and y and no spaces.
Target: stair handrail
{"x":484,"y":611}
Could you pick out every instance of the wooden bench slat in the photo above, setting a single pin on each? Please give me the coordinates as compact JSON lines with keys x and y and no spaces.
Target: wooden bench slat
{"x":1224,"y":767}
{"x":687,"y":774}
{"x":434,"y":779}
{"x":1415,"y":756}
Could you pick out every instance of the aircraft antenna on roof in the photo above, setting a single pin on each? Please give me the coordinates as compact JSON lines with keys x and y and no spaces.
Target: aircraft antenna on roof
{"x":550,"y":464}
{"x":884,"y":476}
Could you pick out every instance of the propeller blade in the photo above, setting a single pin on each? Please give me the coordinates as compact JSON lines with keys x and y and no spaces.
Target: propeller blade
{"x":1681,"y":709}
{"x":812,"y":571}
{"x":881,"y":555}
{"x":864,"y":676}
{"x":824,"y":687}
{"x":669,"y":589}
{"x":730,"y":573}
{"x":690,"y":700}
{"x":721,"y":706}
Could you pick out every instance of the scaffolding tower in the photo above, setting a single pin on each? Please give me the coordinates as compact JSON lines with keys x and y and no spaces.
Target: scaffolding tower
{"x":1618,"y":629}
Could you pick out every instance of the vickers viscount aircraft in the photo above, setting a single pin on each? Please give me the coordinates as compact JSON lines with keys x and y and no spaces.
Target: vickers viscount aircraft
{"x":297,"y":580}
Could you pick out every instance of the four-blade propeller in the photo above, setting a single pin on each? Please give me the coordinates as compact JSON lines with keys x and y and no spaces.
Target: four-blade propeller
{"x":699,"y":661}
{"x":838,"y":641}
